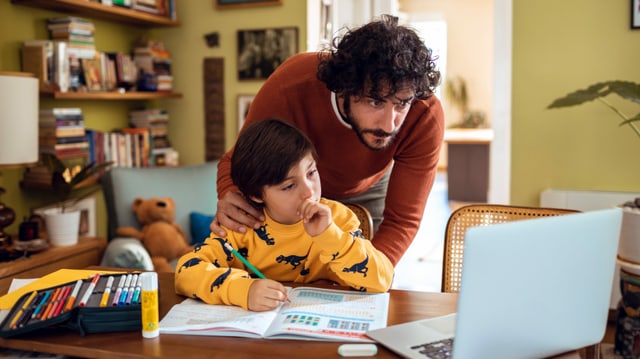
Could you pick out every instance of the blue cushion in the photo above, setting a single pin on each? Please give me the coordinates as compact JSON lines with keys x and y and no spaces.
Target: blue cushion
{"x":199,"y":223}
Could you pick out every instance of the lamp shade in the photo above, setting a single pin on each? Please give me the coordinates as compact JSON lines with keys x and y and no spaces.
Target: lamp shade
{"x":19,"y":101}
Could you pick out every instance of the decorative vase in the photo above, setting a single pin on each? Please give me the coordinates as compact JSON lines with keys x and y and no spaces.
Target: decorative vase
{"x":62,"y":227}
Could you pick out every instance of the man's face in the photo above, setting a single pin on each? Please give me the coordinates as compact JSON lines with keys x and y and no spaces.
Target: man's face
{"x":378,"y":120}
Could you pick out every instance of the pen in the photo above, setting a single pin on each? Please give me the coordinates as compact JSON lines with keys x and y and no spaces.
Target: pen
{"x":49,"y":306}
{"x":89,"y":291}
{"x":57,"y":306}
{"x":107,"y":291}
{"x":73,"y":296}
{"x":43,"y":300}
{"x":22,"y":310}
{"x":134,"y":280}
{"x":125,"y":290}
{"x":136,"y":293}
{"x":116,"y":296}
{"x":244,"y":260}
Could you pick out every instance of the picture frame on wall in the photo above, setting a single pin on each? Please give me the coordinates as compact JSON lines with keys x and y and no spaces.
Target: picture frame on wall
{"x":226,"y":4}
{"x":261,"y":51}
{"x":635,"y":14}
{"x":244,"y":101}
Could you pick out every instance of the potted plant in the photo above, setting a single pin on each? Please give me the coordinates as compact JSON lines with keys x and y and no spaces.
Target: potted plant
{"x":629,"y":249}
{"x":62,"y":223}
{"x":456,"y":94}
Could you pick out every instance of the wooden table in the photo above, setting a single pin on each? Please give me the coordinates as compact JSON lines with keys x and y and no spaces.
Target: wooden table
{"x":404,"y":306}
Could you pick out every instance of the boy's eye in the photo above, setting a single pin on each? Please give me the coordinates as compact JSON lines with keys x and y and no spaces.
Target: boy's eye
{"x":287,"y":187}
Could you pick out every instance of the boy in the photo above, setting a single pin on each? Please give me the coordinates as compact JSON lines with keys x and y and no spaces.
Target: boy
{"x":304,"y":238}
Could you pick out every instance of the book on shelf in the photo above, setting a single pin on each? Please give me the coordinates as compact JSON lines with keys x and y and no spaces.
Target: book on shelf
{"x":312,"y":314}
{"x":92,"y":70}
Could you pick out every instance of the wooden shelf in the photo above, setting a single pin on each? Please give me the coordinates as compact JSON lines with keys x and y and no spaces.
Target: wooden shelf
{"x":110,"y":95}
{"x":99,"y":11}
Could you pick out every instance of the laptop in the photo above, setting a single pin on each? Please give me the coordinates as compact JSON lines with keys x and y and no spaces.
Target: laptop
{"x":529,"y":289}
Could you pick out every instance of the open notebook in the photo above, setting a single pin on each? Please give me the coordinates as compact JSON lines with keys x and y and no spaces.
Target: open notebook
{"x":529,"y":289}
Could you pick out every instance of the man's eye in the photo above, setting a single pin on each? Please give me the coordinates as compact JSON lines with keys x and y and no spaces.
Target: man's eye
{"x":376,"y":103}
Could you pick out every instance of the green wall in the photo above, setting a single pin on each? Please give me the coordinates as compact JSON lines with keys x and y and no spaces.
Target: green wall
{"x":558,"y":47}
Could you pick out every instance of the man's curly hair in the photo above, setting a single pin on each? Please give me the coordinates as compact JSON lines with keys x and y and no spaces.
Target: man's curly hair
{"x":380,"y":53}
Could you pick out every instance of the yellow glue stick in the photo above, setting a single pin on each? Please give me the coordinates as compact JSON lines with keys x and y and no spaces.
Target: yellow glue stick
{"x":149,"y":301}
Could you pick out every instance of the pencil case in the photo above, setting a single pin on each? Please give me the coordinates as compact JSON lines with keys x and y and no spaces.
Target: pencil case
{"x":93,"y":308}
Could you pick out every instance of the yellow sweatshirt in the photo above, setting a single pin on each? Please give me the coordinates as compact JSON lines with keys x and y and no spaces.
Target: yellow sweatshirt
{"x":284,"y":253}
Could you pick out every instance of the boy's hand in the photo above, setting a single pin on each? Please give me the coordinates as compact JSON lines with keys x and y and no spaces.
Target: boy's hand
{"x":266,"y":294}
{"x":235,"y":213}
{"x":315,"y":216}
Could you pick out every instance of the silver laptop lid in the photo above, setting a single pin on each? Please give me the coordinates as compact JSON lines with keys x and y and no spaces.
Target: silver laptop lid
{"x":535,"y":288}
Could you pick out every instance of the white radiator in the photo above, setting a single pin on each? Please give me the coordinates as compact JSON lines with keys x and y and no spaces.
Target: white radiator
{"x":589,"y":201}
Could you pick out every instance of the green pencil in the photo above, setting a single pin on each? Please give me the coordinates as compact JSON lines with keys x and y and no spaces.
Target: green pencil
{"x":244,"y":260}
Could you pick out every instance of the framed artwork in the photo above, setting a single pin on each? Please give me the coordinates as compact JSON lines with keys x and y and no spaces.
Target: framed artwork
{"x":87,"y":208}
{"x":244,"y":101}
{"x":260,"y":52}
{"x":226,"y":4}
{"x":635,"y":14}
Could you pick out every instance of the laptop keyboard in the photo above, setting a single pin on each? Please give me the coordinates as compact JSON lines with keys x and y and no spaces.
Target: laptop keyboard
{"x":436,"y":350}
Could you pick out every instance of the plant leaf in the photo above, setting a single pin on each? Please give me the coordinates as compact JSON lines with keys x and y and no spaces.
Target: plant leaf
{"x":626,"y":89}
{"x":591,"y":93}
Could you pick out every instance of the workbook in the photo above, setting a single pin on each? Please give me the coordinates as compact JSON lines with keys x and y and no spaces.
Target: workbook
{"x":311,"y":314}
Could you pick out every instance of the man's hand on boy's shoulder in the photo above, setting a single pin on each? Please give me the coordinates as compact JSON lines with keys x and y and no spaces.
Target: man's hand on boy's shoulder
{"x":235,"y":213}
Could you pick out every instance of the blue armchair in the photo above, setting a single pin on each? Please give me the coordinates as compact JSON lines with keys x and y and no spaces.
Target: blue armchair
{"x":193,"y":188}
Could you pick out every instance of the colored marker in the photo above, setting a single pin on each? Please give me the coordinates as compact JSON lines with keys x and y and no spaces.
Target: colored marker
{"x":244,"y":260}
{"x":21,"y":313}
{"x":57,"y":307}
{"x":107,"y":291}
{"x":116,"y":296}
{"x":90,"y":288}
{"x":134,"y":280}
{"x":49,"y":306}
{"x":125,"y":290}
{"x":136,"y":292}
{"x":43,"y":300}
{"x":72,"y":297}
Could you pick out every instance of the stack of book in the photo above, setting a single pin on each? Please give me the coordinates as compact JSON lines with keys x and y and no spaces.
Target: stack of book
{"x":77,"y":32}
{"x":154,"y":63}
{"x":61,"y":133}
{"x":157,"y":123}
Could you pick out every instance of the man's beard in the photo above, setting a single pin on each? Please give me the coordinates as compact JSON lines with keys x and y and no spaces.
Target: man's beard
{"x":380,"y":143}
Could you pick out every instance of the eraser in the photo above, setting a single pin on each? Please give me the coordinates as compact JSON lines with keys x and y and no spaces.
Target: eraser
{"x":357,"y":350}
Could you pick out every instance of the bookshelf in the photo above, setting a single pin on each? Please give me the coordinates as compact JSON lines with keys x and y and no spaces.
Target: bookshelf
{"x":110,"y":95}
{"x":97,"y":10}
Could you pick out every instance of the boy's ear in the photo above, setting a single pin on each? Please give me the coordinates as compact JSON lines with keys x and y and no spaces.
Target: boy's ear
{"x":256,"y":199}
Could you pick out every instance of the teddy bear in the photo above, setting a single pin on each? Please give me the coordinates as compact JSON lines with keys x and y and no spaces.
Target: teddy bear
{"x":161,"y":235}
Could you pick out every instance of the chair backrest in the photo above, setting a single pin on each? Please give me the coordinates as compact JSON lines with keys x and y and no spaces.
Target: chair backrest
{"x":366,"y":222}
{"x":479,"y":215}
{"x":193,"y":188}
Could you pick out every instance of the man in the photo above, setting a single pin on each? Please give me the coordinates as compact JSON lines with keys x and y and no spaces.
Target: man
{"x":368,"y":107}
